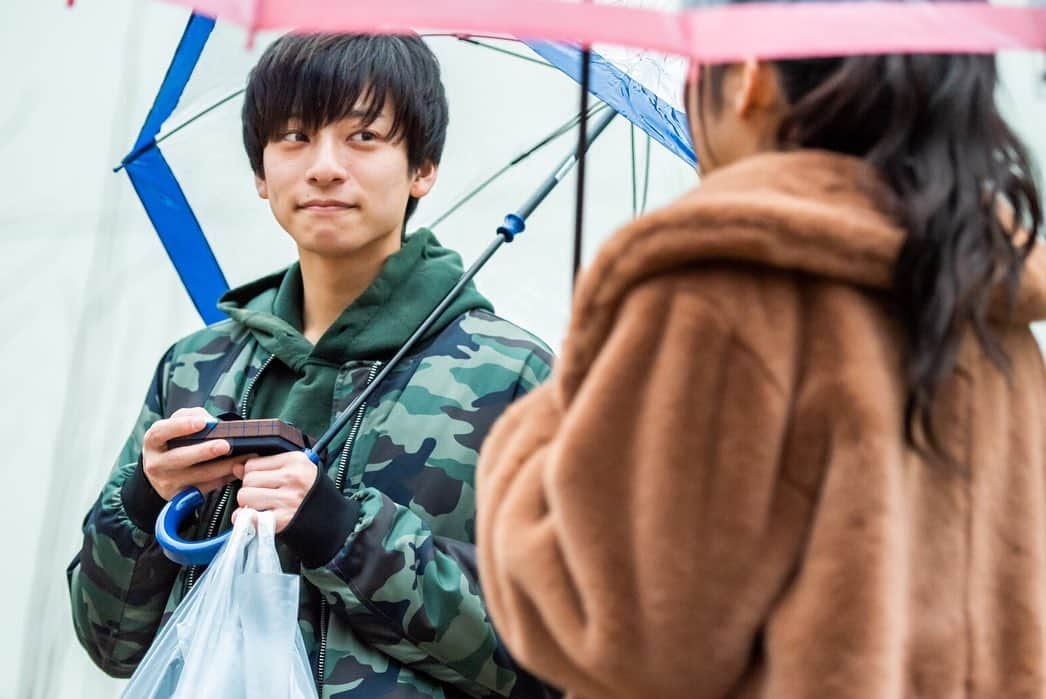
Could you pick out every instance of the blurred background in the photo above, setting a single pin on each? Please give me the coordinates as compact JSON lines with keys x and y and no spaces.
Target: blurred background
{"x":89,"y":300}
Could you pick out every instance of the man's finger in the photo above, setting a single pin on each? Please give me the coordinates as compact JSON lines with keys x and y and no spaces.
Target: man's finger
{"x":192,"y":412}
{"x":163,"y":431}
{"x":194,"y":454}
{"x":259,"y":498}
{"x":201,"y":476}
{"x":276,"y":461}
{"x":264,"y":479}
{"x":212,"y":470}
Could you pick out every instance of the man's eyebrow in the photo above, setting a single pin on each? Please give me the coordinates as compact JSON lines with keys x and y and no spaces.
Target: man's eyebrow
{"x":353,"y":115}
{"x":363,"y":114}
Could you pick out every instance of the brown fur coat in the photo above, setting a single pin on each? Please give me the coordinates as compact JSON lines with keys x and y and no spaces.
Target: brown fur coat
{"x":714,"y":498}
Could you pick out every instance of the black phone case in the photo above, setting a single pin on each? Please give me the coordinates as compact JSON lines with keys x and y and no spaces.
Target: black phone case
{"x":261,"y":437}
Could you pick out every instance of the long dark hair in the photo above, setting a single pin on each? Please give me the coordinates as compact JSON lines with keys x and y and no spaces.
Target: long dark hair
{"x":965,"y":185}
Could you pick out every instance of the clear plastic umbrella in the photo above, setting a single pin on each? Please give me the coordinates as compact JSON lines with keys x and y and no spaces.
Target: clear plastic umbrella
{"x":506,"y":137}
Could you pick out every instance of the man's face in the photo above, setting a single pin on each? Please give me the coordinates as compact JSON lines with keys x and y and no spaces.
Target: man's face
{"x":342,"y":189}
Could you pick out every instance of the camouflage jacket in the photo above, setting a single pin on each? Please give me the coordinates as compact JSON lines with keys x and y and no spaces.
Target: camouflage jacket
{"x":397,"y":612}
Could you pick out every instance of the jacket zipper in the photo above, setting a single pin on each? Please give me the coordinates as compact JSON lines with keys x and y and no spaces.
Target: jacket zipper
{"x":226,"y":493}
{"x":339,"y":482}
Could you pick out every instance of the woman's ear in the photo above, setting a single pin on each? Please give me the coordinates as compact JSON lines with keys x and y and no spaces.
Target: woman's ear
{"x":424,"y":178}
{"x":261,"y":186}
{"x":758,"y":89}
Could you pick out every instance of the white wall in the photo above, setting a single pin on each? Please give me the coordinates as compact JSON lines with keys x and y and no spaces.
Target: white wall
{"x":77,"y":262}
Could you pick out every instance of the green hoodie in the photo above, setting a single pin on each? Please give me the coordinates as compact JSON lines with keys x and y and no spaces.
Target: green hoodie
{"x":299,"y":388}
{"x":385,"y":540}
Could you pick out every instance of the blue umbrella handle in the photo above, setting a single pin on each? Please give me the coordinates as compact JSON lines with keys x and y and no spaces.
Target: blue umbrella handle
{"x":179,"y":550}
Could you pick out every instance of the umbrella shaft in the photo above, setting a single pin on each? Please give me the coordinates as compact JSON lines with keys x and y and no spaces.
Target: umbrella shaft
{"x":564,"y":167}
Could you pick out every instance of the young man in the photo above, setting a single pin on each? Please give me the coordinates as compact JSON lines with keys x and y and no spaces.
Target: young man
{"x":344,"y":135}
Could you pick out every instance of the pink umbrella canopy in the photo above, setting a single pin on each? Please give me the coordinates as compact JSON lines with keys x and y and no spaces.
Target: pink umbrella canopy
{"x":713,"y":33}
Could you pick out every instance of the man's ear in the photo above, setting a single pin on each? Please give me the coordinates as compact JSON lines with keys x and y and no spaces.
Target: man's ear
{"x":261,"y":186}
{"x":423,"y":179}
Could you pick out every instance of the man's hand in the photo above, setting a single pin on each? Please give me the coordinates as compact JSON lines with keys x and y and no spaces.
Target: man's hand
{"x":170,"y":471}
{"x":277,"y":483}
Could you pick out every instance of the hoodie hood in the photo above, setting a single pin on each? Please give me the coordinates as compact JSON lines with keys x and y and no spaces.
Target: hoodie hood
{"x":410,"y":285}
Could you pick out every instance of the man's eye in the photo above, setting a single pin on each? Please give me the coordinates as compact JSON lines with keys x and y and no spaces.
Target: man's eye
{"x":294,"y":137}
{"x":364,"y":136}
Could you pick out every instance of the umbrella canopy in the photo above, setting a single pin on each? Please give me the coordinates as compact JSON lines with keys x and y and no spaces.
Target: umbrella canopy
{"x":190,"y":171}
{"x":198,"y":104}
{"x":716,"y":32}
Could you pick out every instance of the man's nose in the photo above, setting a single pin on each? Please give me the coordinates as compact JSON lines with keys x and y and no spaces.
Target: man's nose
{"x":327,"y":166}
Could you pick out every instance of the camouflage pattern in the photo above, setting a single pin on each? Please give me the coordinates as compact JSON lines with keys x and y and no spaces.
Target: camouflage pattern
{"x":405,"y":615}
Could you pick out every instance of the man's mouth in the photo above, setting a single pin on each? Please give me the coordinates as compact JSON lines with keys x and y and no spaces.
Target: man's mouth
{"x":326,"y":205}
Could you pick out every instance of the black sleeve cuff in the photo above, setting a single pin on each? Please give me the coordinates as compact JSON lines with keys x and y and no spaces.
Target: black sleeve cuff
{"x":322,"y":524}
{"x":140,"y":500}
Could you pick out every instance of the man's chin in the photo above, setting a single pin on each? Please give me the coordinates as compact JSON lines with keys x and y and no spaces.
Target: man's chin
{"x":339,"y":244}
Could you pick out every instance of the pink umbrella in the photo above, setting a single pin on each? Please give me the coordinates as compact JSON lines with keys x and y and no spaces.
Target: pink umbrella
{"x":710,"y":34}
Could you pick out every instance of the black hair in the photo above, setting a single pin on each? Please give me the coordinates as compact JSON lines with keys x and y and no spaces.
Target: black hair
{"x":964,"y":181}
{"x":318,"y":79}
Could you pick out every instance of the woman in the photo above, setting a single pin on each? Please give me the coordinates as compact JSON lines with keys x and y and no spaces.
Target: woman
{"x":794,"y":445}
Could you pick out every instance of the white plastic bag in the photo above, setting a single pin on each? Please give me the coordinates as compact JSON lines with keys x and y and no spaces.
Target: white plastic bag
{"x":235,"y":636}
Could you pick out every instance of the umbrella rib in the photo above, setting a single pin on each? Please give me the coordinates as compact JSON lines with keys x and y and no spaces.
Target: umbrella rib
{"x":468,"y":197}
{"x":190,"y":120}
{"x":564,"y":128}
{"x":472,"y":39}
{"x":498,"y":49}
{"x":200,"y":115}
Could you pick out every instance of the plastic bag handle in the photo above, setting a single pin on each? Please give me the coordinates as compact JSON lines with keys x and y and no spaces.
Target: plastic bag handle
{"x":179,"y":550}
